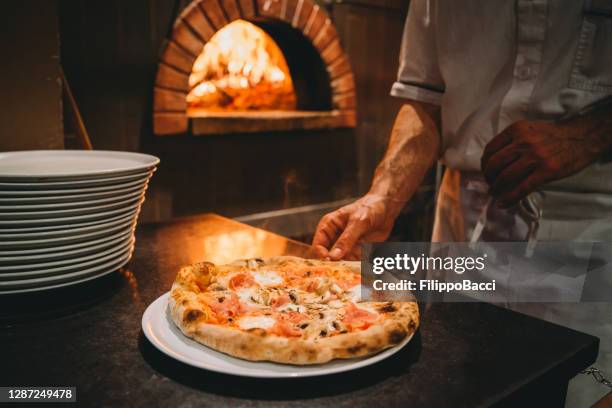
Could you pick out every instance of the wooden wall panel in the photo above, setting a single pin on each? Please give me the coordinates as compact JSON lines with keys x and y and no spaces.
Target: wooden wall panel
{"x":31,"y":103}
{"x":371,"y":22}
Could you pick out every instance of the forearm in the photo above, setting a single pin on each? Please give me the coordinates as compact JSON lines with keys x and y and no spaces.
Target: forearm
{"x":528,"y":154}
{"x":413,"y":148}
{"x":593,"y":128}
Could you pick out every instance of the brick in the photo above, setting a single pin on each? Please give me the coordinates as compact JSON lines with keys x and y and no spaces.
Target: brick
{"x":302,"y":14}
{"x":349,"y":118}
{"x":326,"y":35}
{"x":339,"y":67}
{"x":332,"y":52}
{"x":177,"y":57}
{"x":167,"y":100}
{"x":170,"y":123}
{"x":248,"y":9}
{"x":344,"y":101}
{"x":168,"y":77}
{"x":269,"y":8}
{"x":343,"y":84}
{"x":195,"y":18}
{"x":182,"y":35}
{"x":315,"y":22}
{"x":214,"y":12}
{"x":288,"y":10}
{"x":231,"y":9}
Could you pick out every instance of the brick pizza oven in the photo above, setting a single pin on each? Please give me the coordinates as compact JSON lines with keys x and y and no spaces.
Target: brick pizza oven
{"x":320,"y":73}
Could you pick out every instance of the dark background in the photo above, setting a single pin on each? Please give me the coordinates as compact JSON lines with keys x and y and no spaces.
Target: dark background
{"x":109,"y":50}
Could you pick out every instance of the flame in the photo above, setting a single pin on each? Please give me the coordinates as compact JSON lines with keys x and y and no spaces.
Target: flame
{"x":241,"y":68}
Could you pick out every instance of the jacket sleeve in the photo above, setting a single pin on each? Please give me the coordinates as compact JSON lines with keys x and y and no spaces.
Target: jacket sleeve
{"x":419,"y":77}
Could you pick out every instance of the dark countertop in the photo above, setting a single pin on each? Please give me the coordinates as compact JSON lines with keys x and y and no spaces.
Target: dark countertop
{"x":89,"y":336}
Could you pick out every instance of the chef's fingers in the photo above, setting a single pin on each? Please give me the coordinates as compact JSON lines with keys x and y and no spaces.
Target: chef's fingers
{"x":497,"y":143}
{"x":355,"y":229}
{"x":329,"y":229}
{"x":521,"y":191}
{"x":321,"y":252}
{"x":496,"y":163}
{"x":510,"y":177}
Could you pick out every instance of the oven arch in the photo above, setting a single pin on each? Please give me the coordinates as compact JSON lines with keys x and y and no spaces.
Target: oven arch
{"x":198,"y":22}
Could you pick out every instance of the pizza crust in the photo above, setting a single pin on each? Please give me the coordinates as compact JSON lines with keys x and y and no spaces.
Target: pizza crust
{"x":401,"y":320}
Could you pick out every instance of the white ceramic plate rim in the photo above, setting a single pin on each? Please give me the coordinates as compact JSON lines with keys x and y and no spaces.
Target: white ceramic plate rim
{"x":62,"y":229}
{"x":42,"y":194}
{"x":61,"y":265}
{"x":69,"y":283}
{"x":49,"y":256}
{"x":62,"y":248}
{"x":166,"y":337}
{"x":99,"y":182}
{"x":46,"y":222}
{"x":67,"y":231}
{"x":66,"y":164}
{"x":58,"y":241}
{"x":18,"y":284}
{"x":36,"y":215}
{"x":70,"y":204}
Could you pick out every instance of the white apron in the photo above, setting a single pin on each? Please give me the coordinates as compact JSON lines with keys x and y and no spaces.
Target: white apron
{"x":565,"y":215}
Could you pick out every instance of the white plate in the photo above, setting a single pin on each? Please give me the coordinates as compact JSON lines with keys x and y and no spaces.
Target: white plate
{"x":77,"y":184}
{"x":66,"y":247}
{"x":72,"y":204}
{"x":67,"y":201}
{"x":163,"y":334}
{"x":94,"y":275}
{"x":92,"y":247}
{"x":42,"y":223}
{"x":43,"y":194}
{"x":84,"y":205}
{"x":72,"y":238}
{"x":65,"y":229}
{"x":20,"y":216}
{"x":64,"y":277}
{"x":63,"y":165}
{"x":44,"y":268}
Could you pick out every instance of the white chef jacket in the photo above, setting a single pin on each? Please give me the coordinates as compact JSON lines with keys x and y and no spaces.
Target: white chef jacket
{"x":489,"y":64}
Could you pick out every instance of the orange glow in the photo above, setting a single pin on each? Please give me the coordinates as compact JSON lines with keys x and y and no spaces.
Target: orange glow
{"x":241,"y":68}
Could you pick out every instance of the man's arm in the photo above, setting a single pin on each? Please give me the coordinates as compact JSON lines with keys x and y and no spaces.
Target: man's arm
{"x":413,"y":148}
{"x":528,"y":154}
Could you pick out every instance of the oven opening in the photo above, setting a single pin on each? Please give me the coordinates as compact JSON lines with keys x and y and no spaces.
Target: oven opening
{"x":241,"y":68}
{"x":262,"y":76}
{"x":226,"y":71}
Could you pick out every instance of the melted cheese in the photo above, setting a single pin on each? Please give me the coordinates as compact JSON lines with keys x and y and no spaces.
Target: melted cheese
{"x":248,"y":296}
{"x":354,"y":293}
{"x":256,"y":322}
{"x":267,"y":278}
{"x":292,"y":307}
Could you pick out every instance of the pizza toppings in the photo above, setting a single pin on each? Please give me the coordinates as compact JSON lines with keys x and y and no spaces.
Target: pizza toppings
{"x":256,"y":322}
{"x":241,"y":280}
{"x":286,"y":309}
{"x":285,"y":329}
{"x":267,"y":278}
{"x":358,"y":318}
{"x":280,"y":300}
{"x":293,"y":300}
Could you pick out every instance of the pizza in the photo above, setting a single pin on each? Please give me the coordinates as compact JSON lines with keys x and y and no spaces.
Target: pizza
{"x":286,"y":310}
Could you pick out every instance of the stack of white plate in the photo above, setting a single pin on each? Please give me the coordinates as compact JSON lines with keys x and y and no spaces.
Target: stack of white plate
{"x":67,"y":216}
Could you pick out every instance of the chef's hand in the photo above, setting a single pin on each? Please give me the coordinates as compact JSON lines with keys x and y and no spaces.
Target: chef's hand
{"x":340,"y":232}
{"x":528,"y":154}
